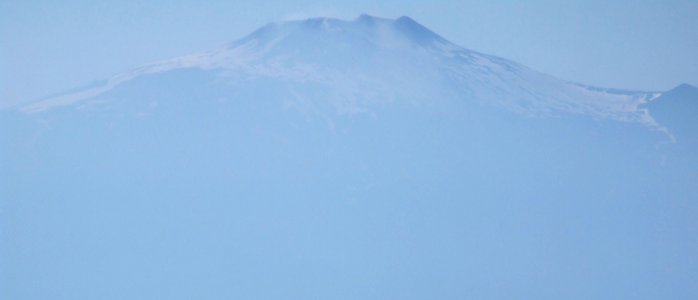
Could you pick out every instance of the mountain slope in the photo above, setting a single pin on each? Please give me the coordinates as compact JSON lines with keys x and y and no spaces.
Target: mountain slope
{"x":677,"y":109}
{"x":354,"y":64}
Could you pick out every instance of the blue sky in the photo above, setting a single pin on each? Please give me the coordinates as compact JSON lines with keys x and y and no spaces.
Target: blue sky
{"x":52,"y":46}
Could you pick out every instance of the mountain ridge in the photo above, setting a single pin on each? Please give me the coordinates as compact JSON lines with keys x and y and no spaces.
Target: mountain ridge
{"x":345,"y":57}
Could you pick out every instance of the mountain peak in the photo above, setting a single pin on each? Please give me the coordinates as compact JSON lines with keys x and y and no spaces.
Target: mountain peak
{"x":684,"y":87}
{"x":369,"y":18}
{"x":684,"y":91}
{"x":350,"y":65}
{"x":365,"y":29}
{"x":415,"y":31}
{"x":676,"y":109}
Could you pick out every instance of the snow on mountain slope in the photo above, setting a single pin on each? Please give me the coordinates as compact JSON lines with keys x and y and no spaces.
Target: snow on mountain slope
{"x":373,"y":60}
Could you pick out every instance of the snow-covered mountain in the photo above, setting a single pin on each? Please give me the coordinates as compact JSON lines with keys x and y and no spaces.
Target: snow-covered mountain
{"x":351,"y":65}
{"x":362,"y":159}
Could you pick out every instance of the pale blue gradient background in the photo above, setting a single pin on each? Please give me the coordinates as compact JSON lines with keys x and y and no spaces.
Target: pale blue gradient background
{"x":51,"y":46}
{"x":222,"y":192}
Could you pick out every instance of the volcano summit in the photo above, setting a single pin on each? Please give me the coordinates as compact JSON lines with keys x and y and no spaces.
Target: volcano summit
{"x":349,"y":66}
